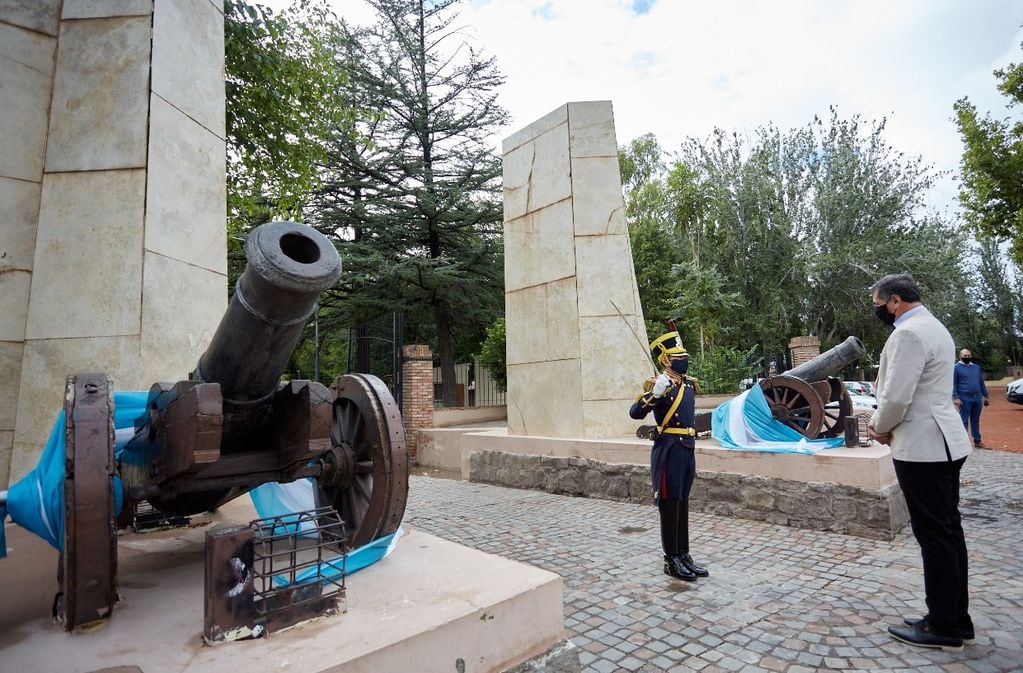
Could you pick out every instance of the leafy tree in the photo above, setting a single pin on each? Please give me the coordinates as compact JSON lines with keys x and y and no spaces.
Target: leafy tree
{"x":413,"y":196}
{"x":284,"y":95}
{"x":992,"y":166}
{"x":778,"y":234}
{"x":494,"y":356}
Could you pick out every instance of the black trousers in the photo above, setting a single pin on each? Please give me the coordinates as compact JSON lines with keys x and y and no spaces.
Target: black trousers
{"x":932,"y":495}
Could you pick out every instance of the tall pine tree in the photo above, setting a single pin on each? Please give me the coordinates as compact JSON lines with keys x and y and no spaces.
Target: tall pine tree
{"x":413,"y":197}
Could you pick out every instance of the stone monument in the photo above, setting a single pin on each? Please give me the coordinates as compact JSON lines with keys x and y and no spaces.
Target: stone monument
{"x":576,"y":339}
{"x":112,"y":181}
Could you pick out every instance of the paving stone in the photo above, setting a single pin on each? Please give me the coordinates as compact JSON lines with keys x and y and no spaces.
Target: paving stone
{"x":780,"y":599}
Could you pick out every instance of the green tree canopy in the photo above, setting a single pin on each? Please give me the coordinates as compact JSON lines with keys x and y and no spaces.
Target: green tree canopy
{"x":775,"y":234}
{"x":284,"y":96}
{"x":412,"y":196}
{"x":992,"y":165}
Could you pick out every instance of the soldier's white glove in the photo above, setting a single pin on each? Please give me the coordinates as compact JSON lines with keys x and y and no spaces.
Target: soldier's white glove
{"x":661,"y":385}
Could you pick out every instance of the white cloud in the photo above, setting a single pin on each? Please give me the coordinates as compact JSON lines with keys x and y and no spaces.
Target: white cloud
{"x":681,"y":68}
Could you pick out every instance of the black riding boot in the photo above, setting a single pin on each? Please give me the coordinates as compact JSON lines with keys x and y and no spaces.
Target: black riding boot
{"x":670,"y":539}
{"x":683,"y":537}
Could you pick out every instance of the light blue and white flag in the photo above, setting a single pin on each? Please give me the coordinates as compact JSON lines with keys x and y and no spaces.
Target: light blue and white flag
{"x":744,"y":423}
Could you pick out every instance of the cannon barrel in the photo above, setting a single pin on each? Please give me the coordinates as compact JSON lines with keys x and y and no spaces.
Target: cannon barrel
{"x":830,"y":362}
{"x":288,"y":266}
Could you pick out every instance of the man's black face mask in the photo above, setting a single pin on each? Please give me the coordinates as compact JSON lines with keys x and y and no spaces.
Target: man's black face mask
{"x":884,"y":315}
{"x":679,"y":365}
{"x":967,"y":360}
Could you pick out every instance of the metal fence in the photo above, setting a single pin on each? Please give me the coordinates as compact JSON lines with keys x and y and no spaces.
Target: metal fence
{"x":474,"y":386}
{"x":375,"y":348}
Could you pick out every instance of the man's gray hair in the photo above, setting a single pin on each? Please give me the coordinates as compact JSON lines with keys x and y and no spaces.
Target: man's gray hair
{"x":901,"y":284}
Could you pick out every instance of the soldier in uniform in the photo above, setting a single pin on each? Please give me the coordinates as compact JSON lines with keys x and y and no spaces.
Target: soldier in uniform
{"x":670,"y":395}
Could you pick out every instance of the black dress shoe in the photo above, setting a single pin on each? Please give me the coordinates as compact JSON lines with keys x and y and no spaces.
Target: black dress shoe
{"x":969,"y":637}
{"x":673,"y":566}
{"x":922,"y":635}
{"x":699,"y":571}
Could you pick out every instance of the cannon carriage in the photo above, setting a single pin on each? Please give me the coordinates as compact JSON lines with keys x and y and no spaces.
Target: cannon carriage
{"x":810,"y":398}
{"x":231,"y":426}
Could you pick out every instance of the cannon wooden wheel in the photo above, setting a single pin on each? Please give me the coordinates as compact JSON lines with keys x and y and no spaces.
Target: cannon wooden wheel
{"x":371,"y":488}
{"x":87,"y":571}
{"x":795,"y":403}
{"x":837,"y":410}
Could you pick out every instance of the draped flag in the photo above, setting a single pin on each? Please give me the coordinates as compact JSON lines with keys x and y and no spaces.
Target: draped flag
{"x":745,"y":423}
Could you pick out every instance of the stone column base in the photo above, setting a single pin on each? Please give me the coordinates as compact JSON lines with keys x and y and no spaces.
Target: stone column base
{"x":851,"y":510}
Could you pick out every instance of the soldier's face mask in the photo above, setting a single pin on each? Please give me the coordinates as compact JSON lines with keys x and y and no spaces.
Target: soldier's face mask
{"x":679,"y":365}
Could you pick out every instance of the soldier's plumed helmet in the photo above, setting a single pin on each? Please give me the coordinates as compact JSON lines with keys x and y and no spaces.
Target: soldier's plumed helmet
{"x":666,"y":346}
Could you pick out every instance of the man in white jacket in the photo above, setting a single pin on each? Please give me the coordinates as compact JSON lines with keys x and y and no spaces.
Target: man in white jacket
{"x":915,"y":415}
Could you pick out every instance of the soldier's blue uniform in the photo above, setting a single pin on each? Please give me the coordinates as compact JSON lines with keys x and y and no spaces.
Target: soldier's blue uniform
{"x":671,"y":396}
{"x":672,"y":459}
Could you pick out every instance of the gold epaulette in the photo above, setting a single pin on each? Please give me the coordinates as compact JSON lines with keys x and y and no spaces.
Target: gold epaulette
{"x":648,"y":387}
{"x":696,"y":383}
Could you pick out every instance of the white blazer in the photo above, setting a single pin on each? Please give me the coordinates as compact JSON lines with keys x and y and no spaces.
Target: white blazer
{"x":914,"y":392}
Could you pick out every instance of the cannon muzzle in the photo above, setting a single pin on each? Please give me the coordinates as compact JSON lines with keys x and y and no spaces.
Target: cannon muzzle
{"x":289,"y":265}
{"x":830,"y":362}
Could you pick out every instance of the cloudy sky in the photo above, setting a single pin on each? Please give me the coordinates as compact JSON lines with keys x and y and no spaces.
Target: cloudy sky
{"x":678,"y":68}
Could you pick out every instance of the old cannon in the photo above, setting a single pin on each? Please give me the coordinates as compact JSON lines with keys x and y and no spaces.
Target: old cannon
{"x":809,"y":398}
{"x":232,"y":426}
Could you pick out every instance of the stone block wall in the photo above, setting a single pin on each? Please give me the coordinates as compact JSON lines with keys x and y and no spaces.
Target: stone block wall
{"x":416,"y":393}
{"x":112,"y":179}
{"x":575,"y":328}
{"x":877,"y":514}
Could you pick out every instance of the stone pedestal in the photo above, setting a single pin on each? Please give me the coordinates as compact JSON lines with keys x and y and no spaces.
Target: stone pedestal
{"x":577,"y":345}
{"x":112,"y":178}
{"x":431,"y":606}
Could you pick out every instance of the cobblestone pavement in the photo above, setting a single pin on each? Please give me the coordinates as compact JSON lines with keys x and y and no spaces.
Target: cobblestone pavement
{"x":778,"y":598}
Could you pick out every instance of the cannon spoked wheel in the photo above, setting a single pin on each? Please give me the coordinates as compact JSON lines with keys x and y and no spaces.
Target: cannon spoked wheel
{"x":371,"y":489}
{"x":87,"y":571}
{"x":795,"y":403}
{"x":837,"y":410}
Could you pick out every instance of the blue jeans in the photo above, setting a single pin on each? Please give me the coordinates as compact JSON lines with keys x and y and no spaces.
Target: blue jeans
{"x":969,"y":411}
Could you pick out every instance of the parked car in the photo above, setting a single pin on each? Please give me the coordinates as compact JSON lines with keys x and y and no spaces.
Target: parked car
{"x":859,"y":387}
{"x":863,"y":404}
{"x":1014,"y":391}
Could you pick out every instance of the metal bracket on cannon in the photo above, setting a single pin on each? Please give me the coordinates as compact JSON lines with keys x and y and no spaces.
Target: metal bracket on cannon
{"x":273,"y":574}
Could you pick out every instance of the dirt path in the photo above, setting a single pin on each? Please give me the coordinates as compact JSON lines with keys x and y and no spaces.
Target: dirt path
{"x":1001,"y":423}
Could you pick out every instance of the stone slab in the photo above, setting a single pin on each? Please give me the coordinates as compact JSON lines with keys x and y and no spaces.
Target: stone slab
{"x":432,"y":605}
{"x":18,"y":228}
{"x":541,"y":239}
{"x":14,"y":290}
{"x":98,"y":120}
{"x":592,"y":130}
{"x":45,"y":367}
{"x":188,"y":60}
{"x":101,"y":9}
{"x":89,"y":224}
{"x":181,"y":308}
{"x":28,"y":48}
{"x":24,"y":109}
{"x":39,"y":15}
{"x":186,"y":192}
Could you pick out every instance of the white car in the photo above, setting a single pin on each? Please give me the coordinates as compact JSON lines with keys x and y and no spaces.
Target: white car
{"x":1014,"y":391}
{"x":863,"y":404}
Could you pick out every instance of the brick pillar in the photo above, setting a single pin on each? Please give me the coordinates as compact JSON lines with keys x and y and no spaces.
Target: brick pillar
{"x":416,"y":392}
{"x":803,"y":349}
